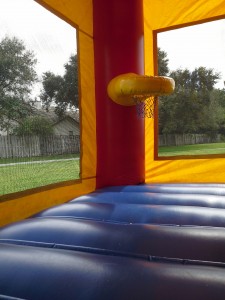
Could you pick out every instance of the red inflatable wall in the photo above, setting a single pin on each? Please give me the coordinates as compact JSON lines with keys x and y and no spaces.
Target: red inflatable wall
{"x":118,"y":46}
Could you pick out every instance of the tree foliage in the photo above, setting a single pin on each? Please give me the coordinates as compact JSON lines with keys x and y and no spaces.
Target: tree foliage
{"x":196,"y":106}
{"x":34,"y":125}
{"x":163,"y":68}
{"x":62,"y":91}
{"x":17,"y":75}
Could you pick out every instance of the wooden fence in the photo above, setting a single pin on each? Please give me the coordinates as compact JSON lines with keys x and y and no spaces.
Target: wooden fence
{"x":28,"y":146}
{"x":187,"y":139}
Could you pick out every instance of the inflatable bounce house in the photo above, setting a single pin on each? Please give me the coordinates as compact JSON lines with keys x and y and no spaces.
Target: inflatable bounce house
{"x":134,"y":226}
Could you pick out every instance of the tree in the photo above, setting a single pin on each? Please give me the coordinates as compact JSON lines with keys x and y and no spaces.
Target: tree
{"x":189,"y":108}
{"x":215,"y":113}
{"x":163,"y":68}
{"x":62,"y":91}
{"x":34,"y":125}
{"x":17,"y":75}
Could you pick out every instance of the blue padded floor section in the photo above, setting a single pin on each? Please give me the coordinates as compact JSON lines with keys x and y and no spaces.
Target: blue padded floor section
{"x":127,"y":242}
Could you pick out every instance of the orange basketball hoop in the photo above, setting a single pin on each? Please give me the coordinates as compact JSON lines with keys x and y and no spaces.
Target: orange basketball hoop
{"x":132,"y":89}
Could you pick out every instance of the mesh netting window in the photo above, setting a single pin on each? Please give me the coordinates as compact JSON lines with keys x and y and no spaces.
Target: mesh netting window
{"x":39,"y":98}
{"x":191,"y":121}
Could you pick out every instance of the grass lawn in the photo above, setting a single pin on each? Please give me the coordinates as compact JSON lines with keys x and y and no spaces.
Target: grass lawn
{"x":19,"y":177}
{"x":36,"y":158}
{"x":199,"y":149}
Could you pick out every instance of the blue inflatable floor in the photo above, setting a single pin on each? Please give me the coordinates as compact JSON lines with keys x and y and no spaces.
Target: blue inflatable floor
{"x":159,"y":241}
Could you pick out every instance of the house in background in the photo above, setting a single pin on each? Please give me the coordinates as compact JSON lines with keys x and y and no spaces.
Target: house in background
{"x":64,"y":140}
{"x":66,"y":126}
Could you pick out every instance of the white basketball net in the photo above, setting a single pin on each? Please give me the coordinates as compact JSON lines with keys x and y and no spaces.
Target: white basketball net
{"x":145,"y":108}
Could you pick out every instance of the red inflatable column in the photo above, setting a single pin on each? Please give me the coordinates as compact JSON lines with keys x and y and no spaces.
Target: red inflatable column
{"x":118,"y":46}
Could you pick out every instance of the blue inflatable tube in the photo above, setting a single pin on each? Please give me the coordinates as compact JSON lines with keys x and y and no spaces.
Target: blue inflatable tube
{"x":127,"y":242}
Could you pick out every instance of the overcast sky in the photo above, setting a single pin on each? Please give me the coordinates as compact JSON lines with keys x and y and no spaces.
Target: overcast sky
{"x":52,"y":39}
{"x":195,"y":46}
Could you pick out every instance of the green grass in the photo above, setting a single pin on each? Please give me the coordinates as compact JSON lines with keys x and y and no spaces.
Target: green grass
{"x":20,"y":177}
{"x":199,"y":149}
{"x":36,"y":158}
